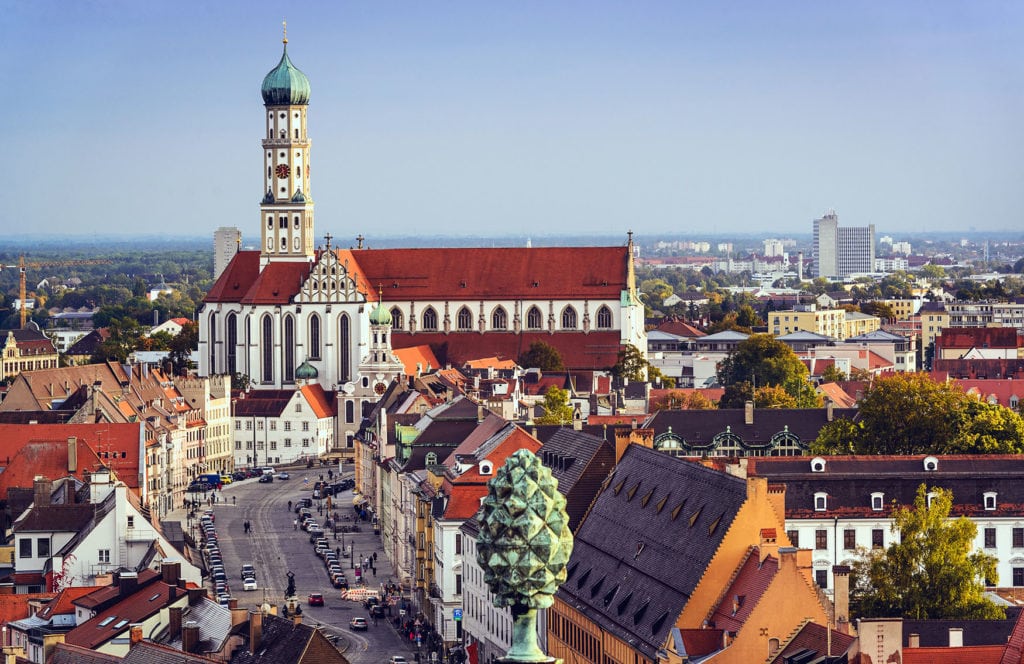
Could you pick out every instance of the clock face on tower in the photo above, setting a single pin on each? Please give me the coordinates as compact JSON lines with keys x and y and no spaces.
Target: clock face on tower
{"x":282,"y":171}
{"x":379,"y":388}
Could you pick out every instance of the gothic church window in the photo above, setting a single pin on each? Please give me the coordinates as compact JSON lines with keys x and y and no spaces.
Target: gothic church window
{"x":267,"y":344}
{"x":464,"y":321}
{"x":430,"y":319}
{"x":533,"y":319}
{"x":604,"y":318}
{"x":289,"y":349}
{"x":344,"y":351}
{"x":499,"y":319}
{"x":397,"y":320}
{"x":232,"y":343}
{"x":314,"y":336}
{"x":568,"y":318}
{"x":213,"y":342}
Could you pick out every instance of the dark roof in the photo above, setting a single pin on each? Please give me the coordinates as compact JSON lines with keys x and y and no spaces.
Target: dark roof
{"x":147,"y":652}
{"x":935,"y":633}
{"x":849,"y":482}
{"x":285,"y":642}
{"x":814,"y":639}
{"x":263,"y":403}
{"x":66,"y":653}
{"x":568,"y":453}
{"x":698,"y":428}
{"x":646,"y":542}
{"x":90,"y":343}
{"x":55,"y":518}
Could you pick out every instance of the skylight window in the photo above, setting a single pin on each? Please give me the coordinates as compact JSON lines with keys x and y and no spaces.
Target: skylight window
{"x":107,"y":621}
{"x":120,"y":624}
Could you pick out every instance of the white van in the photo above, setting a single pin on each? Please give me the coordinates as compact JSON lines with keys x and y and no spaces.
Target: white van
{"x":267,"y":470}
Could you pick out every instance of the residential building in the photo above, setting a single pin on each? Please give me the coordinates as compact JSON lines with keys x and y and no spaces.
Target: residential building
{"x":842,"y":251}
{"x":274,"y":427}
{"x":227,"y":241}
{"x":835,"y":323}
{"x":26,"y":349}
{"x":980,"y":343}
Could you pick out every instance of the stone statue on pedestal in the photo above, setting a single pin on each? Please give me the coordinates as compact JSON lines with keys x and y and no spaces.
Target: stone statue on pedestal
{"x":523,"y":547}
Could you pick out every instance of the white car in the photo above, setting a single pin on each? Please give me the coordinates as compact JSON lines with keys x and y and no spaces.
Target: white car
{"x":249,"y":584}
{"x":398,"y":659}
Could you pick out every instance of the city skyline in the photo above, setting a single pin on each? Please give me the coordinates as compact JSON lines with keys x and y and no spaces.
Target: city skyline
{"x":535,"y":119}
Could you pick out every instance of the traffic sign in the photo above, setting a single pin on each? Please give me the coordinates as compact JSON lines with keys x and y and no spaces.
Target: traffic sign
{"x":456,"y":614}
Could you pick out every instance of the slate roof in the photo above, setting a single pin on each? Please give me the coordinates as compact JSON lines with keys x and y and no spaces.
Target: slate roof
{"x":568,"y":453}
{"x":644,"y":545}
{"x":90,"y":343}
{"x":55,"y":518}
{"x":699,"y":427}
{"x":147,"y":652}
{"x":66,"y":653}
{"x":745,"y":591}
{"x":214,"y":623}
{"x":813,"y":638}
{"x":286,"y":642}
{"x":849,"y":482}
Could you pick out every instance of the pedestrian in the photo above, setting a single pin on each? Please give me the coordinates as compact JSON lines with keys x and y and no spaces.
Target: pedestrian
{"x":234,"y":500}
{"x":295,"y":524}
{"x":374,"y":556}
{"x":289,"y":506}
{"x":374,"y":570}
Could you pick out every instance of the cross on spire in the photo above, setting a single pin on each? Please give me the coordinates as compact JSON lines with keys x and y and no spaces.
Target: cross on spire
{"x":359,"y":240}
{"x":284,"y":25}
{"x":328,"y":237}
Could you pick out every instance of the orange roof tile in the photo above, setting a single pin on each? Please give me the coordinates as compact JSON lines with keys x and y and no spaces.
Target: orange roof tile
{"x":420,"y":357}
{"x":42,"y":449}
{"x":318,"y":399}
{"x":15,"y":607}
{"x":490,"y":363}
{"x":62,"y":604}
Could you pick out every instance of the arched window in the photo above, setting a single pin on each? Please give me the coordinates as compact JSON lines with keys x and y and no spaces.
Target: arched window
{"x":282,"y":222}
{"x":284,"y":244}
{"x":345,"y":349}
{"x":397,"y":320}
{"x":267,"y":345}
{"x":314,"y":336}
{"x":533,"y":319}
{"x":289,"y":349}
{"x":604,"y":317}
{"x":350,"y":411}
{"x":213,"y":343}
{"x":568,"y":318}
{"x":499,"y":319}
{"x":464,"y":320}
{"x":430,"y":319}
{"x":232,"y":343}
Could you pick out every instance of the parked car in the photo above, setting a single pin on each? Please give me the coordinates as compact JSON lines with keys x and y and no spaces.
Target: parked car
{"x":198,"y":487}
{"x":316,"y":599}
{"x":303,"y":502}
{"x":248,"y":570}
{"x":266,"y":479}
{"x":239,"y":475}
{"x":358,"y":623}
{"x":397,"y":659}
{"x":377,"y":611}
{"x":283,"y":476}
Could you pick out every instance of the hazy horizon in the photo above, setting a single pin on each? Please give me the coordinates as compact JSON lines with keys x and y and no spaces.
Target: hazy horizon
{"x":540,"y":119}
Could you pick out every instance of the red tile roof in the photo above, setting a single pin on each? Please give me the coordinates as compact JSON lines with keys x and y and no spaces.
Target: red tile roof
{"x":680,"y":328}
{"x":597,"y":350}
{"x":985,"y":337}
{"x":417,"y":359}
{"x":42,"y":449}
{"x":63,"y":603}
{"x":16,"y":607}
{"x":836,"y":393}
{"x":964,"y":655}
{"x":745,"y":592}
{"x":815,"y":637}
{"x":497,"y":273}
{"x":319,"y":400}
{"x":237,"y":277}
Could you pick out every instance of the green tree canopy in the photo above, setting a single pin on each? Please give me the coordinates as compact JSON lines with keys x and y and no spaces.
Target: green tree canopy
{"x":909,"y":413}
{"x":929,"y":571}
{"x":541,"y":356}
{"x":764,"y":361}
{"x":557,"y":409}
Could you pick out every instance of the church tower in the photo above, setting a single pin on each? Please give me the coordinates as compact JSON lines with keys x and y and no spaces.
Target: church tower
{"x":286,"y":211}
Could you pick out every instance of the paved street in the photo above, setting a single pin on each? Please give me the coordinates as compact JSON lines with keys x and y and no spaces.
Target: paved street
{"x":275,"y":547}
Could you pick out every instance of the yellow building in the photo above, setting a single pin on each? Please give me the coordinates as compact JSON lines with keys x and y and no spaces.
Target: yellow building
{"x":27,"y":349}
{"x":933,"y":320}
{"x":835,"y":323}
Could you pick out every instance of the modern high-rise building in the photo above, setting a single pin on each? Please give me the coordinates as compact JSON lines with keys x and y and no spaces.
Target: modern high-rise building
{"x":226,"y":243}
{"x":841,"y":251}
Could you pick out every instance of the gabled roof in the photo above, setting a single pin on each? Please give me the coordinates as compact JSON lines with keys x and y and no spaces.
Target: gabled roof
{"x":147,"y":652}
{"x":681,"y":328}
{"x":699,"y":427}
{"x":466,"y":490}
{"x":237,"y":277}
{"x":45,"y":386}
{"x":751,"y":581}
{"x":836,"y":393}
{"x":16,"y":606}
{"x":55,"y":518}
{"x":813,"y":638}
{"x":286,"y":641}
{"x":417,"y":359}
{"x":646,"y":542}
{"x":66,"y":653}
{"x":262,"y":403}
{"x":879,"y":336}
{"x":63,"y":603}
{"x":490,"y":363}
{"x":981,"y":337}
{"x":319,"y":400}
{"x":568,"y":453}
{"x":116,"y":618}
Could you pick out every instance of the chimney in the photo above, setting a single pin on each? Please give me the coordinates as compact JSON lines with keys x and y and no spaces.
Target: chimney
{"x":190,"y":636}
{"x":42,"y":488}
{"x":828,"y":409}
{"x":135,"y":631}
{"x":769,"y":546}
{"x":255,"y":631}
{"x":174,"y":621}
{"x":171,"y":571}
{"x":956,"y":637}
{"x":195,"y":595}
{"x":479,"y":413}
{"x":841,"y":596}
{"x":914,"y":641}
{"x":50,"y":642}
{"x":72,"y":454}
{"x":748,"y":412}
{"x":128,"y":583}
{"x":238,"y":616}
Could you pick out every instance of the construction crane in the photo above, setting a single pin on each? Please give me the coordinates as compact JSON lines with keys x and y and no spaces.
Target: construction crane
{"x":23,"y":268}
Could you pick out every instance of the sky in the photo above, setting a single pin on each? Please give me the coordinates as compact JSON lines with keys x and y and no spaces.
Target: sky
{"x":530,"y":118}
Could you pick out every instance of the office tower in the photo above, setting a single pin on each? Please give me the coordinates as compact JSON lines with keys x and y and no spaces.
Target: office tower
{"x":840,"y":251}
{"x":226,"y":241}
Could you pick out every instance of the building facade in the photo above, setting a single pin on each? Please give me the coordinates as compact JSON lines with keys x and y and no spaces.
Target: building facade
{"x":842,"y":251}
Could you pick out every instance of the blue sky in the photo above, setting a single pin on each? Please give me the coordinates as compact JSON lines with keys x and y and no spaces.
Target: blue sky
{"x":531,"y":118}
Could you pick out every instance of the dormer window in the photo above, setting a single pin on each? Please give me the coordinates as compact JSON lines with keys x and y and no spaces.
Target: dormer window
{"x":877,"y":501}
{"x":931,"y":464}
{"x":817,"y":465}
{"x":431,"y":459}
{"x":820,"y":501}
{"x":486,"y":468}
{"x":990,"y":500}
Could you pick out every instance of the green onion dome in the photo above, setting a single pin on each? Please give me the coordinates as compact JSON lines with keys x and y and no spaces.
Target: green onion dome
{"x":380,"y":315}
{"x":285,"y":85}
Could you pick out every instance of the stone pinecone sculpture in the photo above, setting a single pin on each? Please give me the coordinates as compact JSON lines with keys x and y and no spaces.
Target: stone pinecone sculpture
{"x":524,"y":541}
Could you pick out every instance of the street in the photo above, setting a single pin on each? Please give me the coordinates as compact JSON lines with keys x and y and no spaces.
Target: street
{"x":275,"y":547}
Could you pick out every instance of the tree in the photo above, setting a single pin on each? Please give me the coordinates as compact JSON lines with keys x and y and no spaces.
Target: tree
{"x":125,"y":337}
{"x":182,"y":347}
{"x":773,"y":396}
{"x":541,"y":356}
{"x":633,"y":365}
{"x":762,"y":360}
{"x":909,"y":413}
{"x":928,"y":572}
{"x":557,"y":409}
{"x":693,"y":400}
{"x":879,"y":309}
{"x":833,"y":375}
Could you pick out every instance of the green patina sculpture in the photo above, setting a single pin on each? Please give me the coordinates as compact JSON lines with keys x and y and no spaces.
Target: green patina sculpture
{"x":523,"y":546}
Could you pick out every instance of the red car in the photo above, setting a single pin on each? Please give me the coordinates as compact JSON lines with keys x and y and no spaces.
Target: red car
{"x":316,"y":599}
